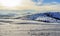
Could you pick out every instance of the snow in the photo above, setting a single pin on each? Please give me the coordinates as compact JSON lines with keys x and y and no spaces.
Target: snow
{"x":29,"y":24}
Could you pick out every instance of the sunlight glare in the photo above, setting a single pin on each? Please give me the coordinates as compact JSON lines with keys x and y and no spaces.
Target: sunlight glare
{"x":11,"y":3}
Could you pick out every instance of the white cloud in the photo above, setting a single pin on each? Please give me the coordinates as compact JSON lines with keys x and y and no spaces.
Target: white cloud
{"x":41,"y":3}
{"x":38,"y":3}
{"x":28,"y":4}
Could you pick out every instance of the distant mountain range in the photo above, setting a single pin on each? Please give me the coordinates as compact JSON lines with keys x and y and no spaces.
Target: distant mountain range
{"x":6,"y":16}
{"x":49,"y":17}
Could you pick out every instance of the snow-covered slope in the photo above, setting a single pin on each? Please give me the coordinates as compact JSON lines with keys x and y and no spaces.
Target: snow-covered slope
{"x":49,"y":17}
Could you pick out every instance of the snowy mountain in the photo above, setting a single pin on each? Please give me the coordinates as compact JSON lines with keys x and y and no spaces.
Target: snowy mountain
{"x":49,"y":17}
{"x":7,"y":16}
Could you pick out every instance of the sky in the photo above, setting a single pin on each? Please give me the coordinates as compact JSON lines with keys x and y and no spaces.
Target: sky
{"x":39,"y":5}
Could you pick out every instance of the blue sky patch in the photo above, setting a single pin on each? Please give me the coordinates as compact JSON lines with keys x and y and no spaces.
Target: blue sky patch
{"x":49,"y":1}
{"x":45,"y":2}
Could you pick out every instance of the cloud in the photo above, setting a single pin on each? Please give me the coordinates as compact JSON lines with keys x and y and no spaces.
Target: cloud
{"x":37,"y":2}
{"x":38,"y":5}
{"x":46,"y":2}
{"x":46,"y":5}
